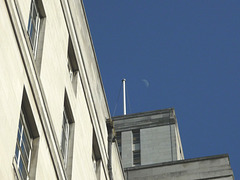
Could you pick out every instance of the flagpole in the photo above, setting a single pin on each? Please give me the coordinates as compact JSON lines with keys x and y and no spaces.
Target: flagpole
{"x":124,"y":97}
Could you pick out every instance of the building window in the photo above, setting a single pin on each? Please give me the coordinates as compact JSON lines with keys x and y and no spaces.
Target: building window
{"x":23,"y":147}
{"x":72,"y":65}
{"x":94,"y":159}
{"x":136,"y":147}
{"x":96,"y":156}
{"x":136,"y":157}
{"x":136,"y":136}
{"x":33,"y":26}
{"x":70,"y":69}
{"x":71,"y":60}
{"x":65,"y":137}
{"x":27,"y":142}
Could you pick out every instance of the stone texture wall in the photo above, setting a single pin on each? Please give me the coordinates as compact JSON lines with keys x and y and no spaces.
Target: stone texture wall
{"x":159,"y":137}
{"x":47,"y":83}
{"x":213,"y":167}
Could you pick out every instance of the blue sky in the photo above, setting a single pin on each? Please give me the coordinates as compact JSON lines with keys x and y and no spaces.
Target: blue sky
{"x":181,"y":54}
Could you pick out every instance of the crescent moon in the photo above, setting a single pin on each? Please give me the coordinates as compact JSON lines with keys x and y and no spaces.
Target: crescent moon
{"x":145,"y":82}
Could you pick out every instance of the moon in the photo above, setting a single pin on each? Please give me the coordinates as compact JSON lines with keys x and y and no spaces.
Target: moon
{"x":145,"y":82}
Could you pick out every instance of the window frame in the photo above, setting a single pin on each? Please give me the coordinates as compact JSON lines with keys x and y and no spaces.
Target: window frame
{"x":136,"y":136}
{"x":70,"y":69}
{"x":136,"y":157}
{"x":72,"y":65}
{"x":19,"y":152}
{"x":66,"y":146}
{"x":136,"y":147}
{"x":94,"y":160}
{"x":34,"y":27}
{"x":65,"y":137}
{"x":96,"y":156}
{"x":26,"y":119}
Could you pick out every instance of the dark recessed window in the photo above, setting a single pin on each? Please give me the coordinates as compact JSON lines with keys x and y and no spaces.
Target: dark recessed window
{"x":27,"y":142}
{"x":136,"y":147}
{"x":96,"y":156}
{"x":67,"y":136}
{"x":136,"y":136}
{"x":23,"y":147}
{"x":136,"y":157}
{"x":72,"y":65}
{"x":33,"y":26}
{"x":72,"y":61}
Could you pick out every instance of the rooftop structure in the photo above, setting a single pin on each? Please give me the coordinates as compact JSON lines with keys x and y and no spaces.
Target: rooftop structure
{"x":151,"y":148}
{"x":148,"y":137}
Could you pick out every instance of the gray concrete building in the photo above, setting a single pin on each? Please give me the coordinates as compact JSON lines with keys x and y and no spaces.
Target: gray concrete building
{"x":148,"y":137}
{"x":151,"y":149}
{"x":212,"y":167}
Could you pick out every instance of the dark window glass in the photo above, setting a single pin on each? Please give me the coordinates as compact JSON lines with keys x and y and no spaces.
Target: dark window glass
{"x":23,"y":148}
{"x":16,"y":152}
{"x":136,"y":136}
{"x":136,"y":157}
{"x":33,"y":26}
{"x":65,"y":137}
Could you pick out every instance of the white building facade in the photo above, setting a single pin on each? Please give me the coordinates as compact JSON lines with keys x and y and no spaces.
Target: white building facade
{"x":52,"y":102}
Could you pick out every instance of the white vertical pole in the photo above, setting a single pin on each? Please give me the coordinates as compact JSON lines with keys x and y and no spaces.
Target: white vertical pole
{"x":124,"y":97}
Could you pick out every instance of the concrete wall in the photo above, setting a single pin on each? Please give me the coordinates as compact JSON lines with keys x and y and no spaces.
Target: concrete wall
{"x":159,"y":136}
{"x":157,"y":145}
{"x":117,"y":165}
{"x":127,"y":155}
{"x":213,"y":167}
{"x":47,"y":83}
